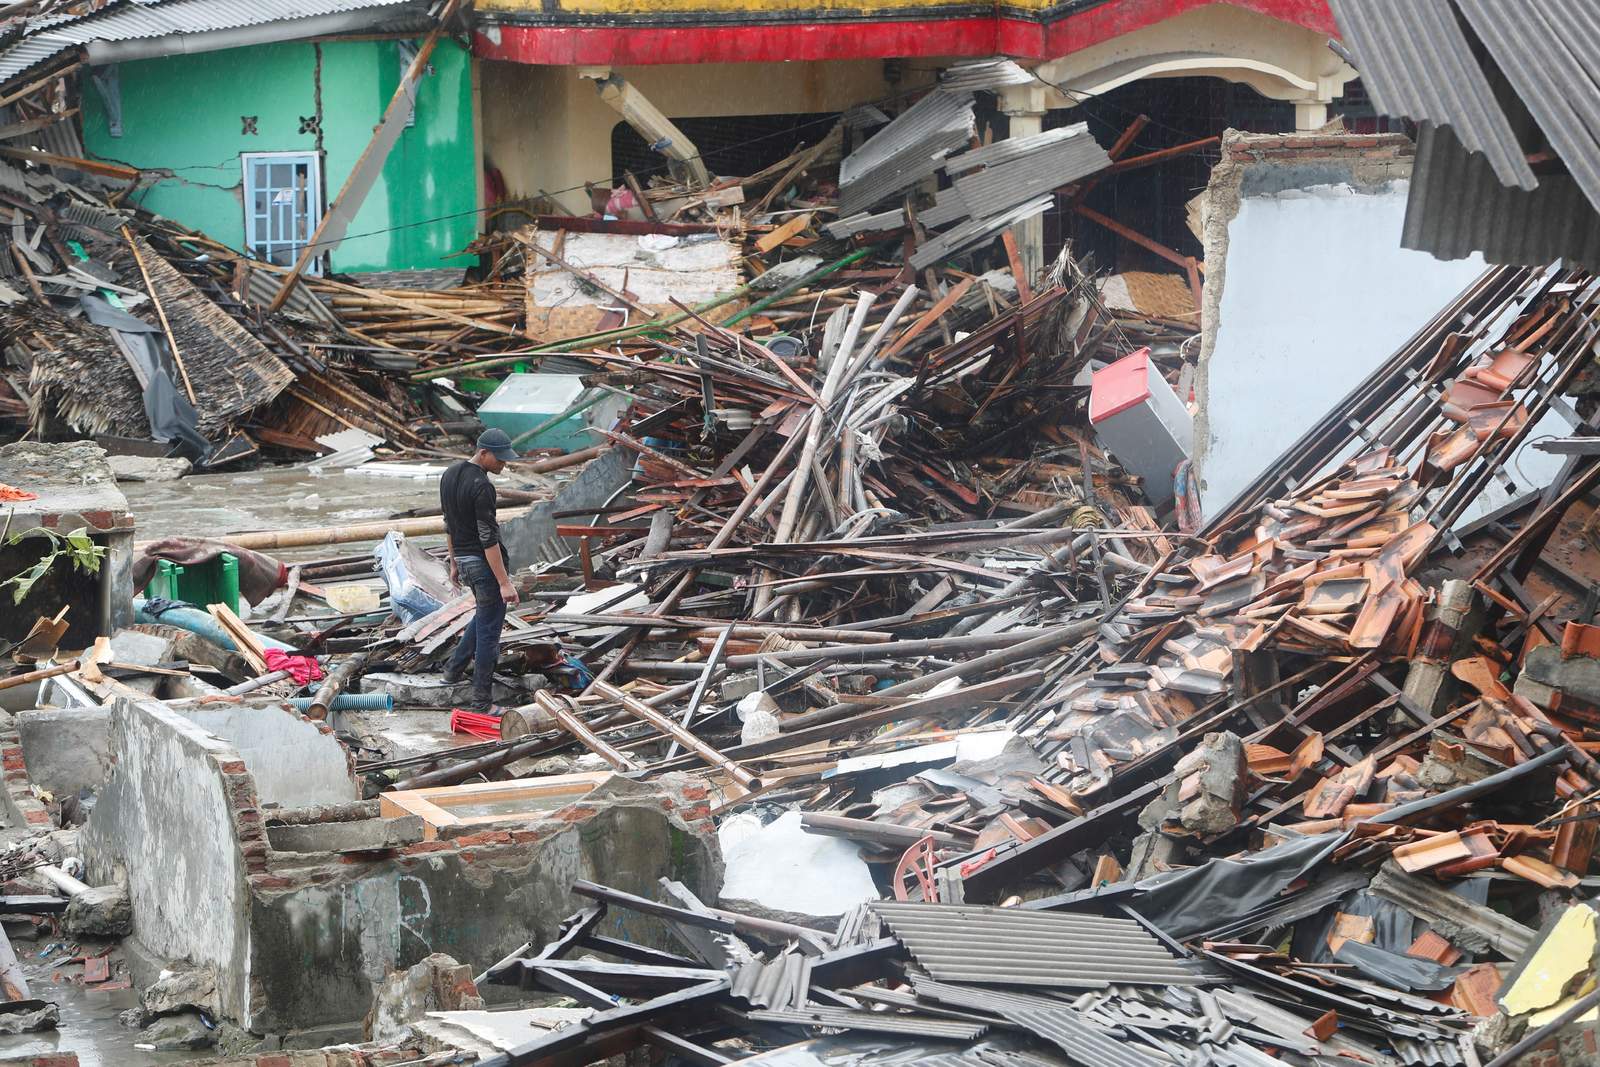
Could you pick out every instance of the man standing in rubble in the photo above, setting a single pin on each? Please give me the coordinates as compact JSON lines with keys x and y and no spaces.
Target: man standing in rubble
{"x":472,"y":537}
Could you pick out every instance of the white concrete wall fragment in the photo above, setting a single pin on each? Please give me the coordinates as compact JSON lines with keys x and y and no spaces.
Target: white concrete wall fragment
{"x":295,"y":764}
{"x":167,"y":821}
{"x":1318,"y":293}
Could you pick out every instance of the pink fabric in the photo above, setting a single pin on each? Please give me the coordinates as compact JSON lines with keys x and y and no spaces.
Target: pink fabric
{"x":302,"y":669}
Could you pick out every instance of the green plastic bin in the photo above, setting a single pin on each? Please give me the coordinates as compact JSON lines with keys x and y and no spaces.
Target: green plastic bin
{"x":213,"y":582}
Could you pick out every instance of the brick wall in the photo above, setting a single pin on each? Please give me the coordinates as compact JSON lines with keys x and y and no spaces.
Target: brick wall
{"x":19,"y":798}
{"x":1265,"y":147}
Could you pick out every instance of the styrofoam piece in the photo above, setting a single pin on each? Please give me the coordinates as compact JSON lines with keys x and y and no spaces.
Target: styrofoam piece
{"x":783,"y":867}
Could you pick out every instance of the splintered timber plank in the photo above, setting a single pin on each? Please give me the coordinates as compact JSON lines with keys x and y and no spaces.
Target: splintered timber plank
{"x":249,"y":645}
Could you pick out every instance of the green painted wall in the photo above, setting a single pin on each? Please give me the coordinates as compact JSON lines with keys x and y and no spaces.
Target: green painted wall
{"x":184,"y":114}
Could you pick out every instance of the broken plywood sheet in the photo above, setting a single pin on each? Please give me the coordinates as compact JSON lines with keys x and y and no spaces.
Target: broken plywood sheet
{"x":1549,"y":973}
{"x":653,"y":270}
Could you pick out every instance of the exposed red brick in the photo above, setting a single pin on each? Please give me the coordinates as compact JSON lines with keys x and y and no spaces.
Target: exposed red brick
{"x":233,"y":766}
{"x":695,"y":792}
{"x":271,"y":881}
{"x":574,"y":813}
{"x":39,"y":817}
{"x":427,"y":846}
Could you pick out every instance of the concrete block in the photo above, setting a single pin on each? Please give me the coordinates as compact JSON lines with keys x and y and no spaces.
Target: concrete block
{"x":102,"y":911}
{"x":1544,"y":671}
{"x":149,"y":468}
{"x":66,"y":749}
{"x":437,"y":983}
{"x":364,"y":835}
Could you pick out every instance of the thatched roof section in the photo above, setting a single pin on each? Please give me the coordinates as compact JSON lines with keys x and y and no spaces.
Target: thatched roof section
{"x":231,"y":371}
{"x":76,"y":372}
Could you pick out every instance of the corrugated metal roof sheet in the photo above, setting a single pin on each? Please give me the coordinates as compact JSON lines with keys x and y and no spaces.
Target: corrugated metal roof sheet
{"x":1004,"y":946}
{"x":994,"y":73}
{"x":948,"y":206}
{"x":1550,"y":52}
{"x":973,"y":231}
{"x":998,"y":152}
{"x":1416,"y":1053}
{"x":997,"y":189}
{"x":906,"y":151}
{"x":1457,"y":206}
{"x":1415,"y":61}
{"x":1056,"y":1022}
{"x":887,"y":1022}
{"x":165,"y":18}
{"x":865,"y":223}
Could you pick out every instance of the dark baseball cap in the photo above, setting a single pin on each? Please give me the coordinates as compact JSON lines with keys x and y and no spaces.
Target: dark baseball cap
{"x":496,"y":442}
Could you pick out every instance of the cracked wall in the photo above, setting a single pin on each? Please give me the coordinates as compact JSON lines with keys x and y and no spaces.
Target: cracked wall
{"x":1307,"y":290}
{"x":189,"y":117}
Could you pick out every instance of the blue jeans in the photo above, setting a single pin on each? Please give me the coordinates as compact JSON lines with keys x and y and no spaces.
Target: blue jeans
{"x":480,"y":642}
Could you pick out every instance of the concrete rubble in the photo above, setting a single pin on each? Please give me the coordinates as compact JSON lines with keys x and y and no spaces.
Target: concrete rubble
{"x":919,"y":649}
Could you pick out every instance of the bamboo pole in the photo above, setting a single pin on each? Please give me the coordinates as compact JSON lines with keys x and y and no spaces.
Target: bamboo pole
{"x":161,"y":313}
{"x":266,"y":540}
{"x":39,"y":675}
{"x":607,"y":337}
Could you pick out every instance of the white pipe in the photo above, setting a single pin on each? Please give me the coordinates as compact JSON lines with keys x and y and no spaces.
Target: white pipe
{"x":62,"y":880}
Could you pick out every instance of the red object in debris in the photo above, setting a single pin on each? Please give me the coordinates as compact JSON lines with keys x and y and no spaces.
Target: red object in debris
{"x":918,"y":861}
{"x":303,"y":669}
{"x":11,"y":492}
{"x":474,"y":723}
{"x":1124,"y":384}
{"x":97,"y":968}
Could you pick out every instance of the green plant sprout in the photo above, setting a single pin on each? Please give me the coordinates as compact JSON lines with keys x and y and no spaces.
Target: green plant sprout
{"x":76,"y":546}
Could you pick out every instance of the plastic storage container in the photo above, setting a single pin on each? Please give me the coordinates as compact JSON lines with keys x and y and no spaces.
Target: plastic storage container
{"x":1139,"y":419}
{"x":523,"y":401}
{"x":203,"y":584}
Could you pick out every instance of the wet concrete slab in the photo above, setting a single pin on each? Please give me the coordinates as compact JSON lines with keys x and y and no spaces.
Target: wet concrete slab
{"x":272,"y":498}
{"x":89,"y":1025}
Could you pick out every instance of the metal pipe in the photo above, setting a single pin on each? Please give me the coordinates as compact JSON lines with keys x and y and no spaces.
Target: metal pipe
{"x":253,"y":684}
{"x":334,"y":685}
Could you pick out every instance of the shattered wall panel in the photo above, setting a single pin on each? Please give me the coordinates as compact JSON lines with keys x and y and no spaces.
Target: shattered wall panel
{"x":166,"y":822}
{"x":1307,"y":290}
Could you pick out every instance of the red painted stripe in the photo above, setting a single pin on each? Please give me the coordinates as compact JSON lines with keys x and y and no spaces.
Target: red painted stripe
{"x":866,"y":39}
{"x":1048,"y":40}
{"x":643,"y":45}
